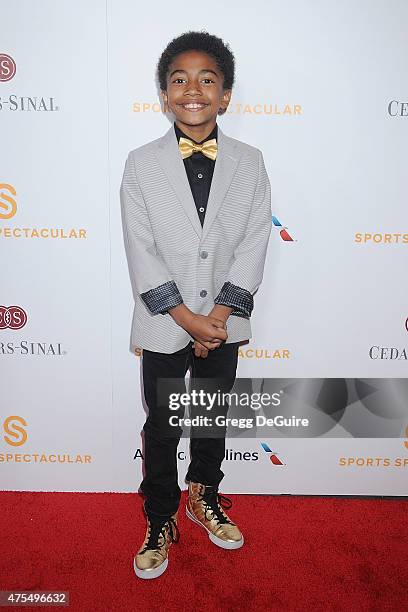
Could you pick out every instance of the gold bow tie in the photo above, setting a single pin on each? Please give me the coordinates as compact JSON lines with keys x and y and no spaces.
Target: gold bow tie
{"x":208,"y":148}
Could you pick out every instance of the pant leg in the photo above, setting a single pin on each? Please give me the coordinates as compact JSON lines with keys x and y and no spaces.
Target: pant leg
{"x":207,"y":454}
{"x":160,"y":483}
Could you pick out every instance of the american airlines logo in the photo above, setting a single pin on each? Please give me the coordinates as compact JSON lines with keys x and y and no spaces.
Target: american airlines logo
{"x":273,"y":457}
{"x":282,"y":229}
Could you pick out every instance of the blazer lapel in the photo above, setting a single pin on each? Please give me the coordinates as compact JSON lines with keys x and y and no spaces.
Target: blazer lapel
{"x":172,"y":163}
{"x":226,"y":164}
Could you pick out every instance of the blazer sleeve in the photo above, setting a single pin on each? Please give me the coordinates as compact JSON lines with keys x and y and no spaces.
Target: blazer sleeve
{"x":149,"y":274}
{"x":246,"y":273}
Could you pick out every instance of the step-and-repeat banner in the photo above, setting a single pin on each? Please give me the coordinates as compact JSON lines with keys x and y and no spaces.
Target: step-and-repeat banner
{"x":321,"y":89}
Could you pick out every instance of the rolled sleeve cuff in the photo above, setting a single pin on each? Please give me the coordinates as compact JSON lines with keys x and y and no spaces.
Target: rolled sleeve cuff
{"x":237,"y":298}
{"x":160,"y":299}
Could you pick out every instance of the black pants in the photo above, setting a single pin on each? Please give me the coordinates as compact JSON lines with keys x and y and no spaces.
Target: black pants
{"x":160,"y":483}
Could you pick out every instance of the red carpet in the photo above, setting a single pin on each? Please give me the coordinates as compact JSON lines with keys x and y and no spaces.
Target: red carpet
{"x":301,"y":553}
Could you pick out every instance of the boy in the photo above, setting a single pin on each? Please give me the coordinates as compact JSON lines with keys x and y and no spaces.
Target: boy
{"x":197,"y":219}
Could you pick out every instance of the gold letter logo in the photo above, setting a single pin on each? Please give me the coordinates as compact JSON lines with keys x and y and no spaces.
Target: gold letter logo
{"x":8,"y":205}
{"x":15,"y":431}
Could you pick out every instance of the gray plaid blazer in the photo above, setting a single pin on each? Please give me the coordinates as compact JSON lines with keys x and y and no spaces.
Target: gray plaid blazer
{"x":173,"y":259}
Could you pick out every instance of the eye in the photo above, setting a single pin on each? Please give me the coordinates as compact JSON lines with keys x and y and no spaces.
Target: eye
{"x":178,"y":79}
{"x":208,"y":79}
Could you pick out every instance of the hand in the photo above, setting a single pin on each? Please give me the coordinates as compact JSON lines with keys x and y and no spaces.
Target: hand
{"x":219,"y":312}
{"x":199,"y":350}
{"x":207,"y":330}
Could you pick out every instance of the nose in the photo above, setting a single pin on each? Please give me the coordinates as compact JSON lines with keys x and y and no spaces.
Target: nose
{"x":193,"y":88}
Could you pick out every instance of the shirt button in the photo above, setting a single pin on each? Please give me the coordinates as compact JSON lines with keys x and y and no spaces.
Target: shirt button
{"x":203,"y":254}
{"x":203,"y":293}
{"x":201,"y":209}
{"x":200,"y":175}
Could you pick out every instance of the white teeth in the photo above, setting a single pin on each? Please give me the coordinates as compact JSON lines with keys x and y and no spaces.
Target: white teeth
{"x":193,"y":105}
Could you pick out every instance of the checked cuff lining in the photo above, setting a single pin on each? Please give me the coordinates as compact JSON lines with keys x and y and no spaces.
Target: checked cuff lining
{"x":163,"y":297}
{"x":237,"y":298}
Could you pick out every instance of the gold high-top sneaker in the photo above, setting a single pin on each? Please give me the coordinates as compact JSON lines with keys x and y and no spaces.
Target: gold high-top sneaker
{"x":205,"y":507}
{"x":152,"y":558}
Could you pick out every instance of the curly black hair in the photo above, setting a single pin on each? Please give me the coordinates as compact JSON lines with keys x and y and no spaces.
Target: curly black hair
{"x":198,"y":41}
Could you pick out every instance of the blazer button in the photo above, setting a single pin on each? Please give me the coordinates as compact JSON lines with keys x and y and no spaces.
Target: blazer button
{"x":203,"y":293}
{"x":203,"y":254}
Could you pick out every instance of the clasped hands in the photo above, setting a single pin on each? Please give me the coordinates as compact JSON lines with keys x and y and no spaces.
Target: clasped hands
{"x":209,"y":331}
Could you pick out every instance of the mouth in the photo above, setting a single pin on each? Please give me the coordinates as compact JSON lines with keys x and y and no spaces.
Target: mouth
{"x":193,"y":107}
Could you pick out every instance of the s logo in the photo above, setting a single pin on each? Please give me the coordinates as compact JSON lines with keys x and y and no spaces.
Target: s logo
{"x":7,"y":67}
{"x":17,"y":434}
{"x":12,"y":317}
{"x":8,"y":205}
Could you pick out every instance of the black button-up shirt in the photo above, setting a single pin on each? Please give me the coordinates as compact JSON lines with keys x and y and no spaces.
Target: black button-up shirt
{"x":199,"y":169}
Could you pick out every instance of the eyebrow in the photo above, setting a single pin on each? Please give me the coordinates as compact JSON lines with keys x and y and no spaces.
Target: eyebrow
{"x":204,"y":70}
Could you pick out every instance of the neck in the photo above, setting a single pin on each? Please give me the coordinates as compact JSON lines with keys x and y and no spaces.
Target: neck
{"x":196,"y":132}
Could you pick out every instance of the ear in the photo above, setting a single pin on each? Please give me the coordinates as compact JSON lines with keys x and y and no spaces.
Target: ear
{"x":225,"y":100}
{"x":165,"y":100}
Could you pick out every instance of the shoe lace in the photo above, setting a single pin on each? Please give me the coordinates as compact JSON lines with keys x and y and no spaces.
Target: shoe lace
{"x":215,"y":502}
{"x":157,"y":533}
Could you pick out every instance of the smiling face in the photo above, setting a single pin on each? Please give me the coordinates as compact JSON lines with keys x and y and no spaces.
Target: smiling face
{"x":195,"y":92}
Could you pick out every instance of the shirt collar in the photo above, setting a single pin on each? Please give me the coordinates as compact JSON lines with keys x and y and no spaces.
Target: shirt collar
{"x":180,"y":134}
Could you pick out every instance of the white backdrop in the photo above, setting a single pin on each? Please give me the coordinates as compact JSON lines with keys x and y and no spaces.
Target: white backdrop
{"x":321,"y":90}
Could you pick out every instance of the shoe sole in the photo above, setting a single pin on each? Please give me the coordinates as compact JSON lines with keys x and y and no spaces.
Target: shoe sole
{"x":213,"y":538}
{"x":149,"y":574}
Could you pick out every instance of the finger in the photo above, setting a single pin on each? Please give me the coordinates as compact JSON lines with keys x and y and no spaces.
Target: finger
{"x":201,"y":351}
{"x":214,"y":345}
{"x":212,"y":341}
{"x":219,"y":334}
{"x":209,"y":345}
{"x":199,"y":344}
{"x":219,"y":323}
